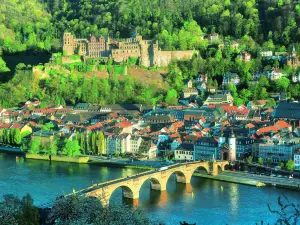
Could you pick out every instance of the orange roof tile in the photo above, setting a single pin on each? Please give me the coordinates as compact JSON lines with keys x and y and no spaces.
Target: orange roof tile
{"x":281,"y":124}
{"x":266,"y":130}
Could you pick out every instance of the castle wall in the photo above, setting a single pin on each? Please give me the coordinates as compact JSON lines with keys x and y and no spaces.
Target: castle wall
{"x":165,"y":57}
{"x":146,"y":50}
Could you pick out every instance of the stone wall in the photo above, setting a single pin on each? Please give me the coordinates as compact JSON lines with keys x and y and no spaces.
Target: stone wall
{"x":165,"y":57}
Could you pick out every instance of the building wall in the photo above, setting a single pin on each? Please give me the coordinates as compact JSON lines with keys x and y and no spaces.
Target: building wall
{"x":206,"y":152}
{"x":184,"y":155}
{"x":276,"y":152}
{"x":297,"y":161}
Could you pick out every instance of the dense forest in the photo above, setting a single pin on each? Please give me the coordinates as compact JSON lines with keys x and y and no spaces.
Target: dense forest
{"x":262,"y":20}
{"x":35,"y":26}
{"x":40,"y":24}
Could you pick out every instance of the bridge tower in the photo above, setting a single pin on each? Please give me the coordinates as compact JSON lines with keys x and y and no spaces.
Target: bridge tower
{"x":232,"y":147}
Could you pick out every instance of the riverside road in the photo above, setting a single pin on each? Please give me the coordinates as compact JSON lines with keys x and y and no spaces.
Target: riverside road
{"x":263,"y":178}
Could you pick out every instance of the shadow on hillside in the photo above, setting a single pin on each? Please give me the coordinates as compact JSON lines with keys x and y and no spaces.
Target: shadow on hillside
{"x":27,"y":57}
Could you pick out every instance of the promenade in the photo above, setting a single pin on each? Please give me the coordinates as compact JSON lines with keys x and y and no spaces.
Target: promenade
{"x":254,"y":179}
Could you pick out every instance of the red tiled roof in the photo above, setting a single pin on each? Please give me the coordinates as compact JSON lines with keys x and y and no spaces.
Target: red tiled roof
{"x":267,"y":130}
{"x":174,"y":135}
{"x":16,"y":125}
{"x":124,"y":124}
{"x":4,"y":125}
{"x":32,"y":123}
{"x":230,"y":109}
{"x":178,"y":124}
{"x":95,"y":126}
{"x":250,"y":125}
{"x":211,"y":106}
{"x":44,"y":111}
{"x":281,"y":124}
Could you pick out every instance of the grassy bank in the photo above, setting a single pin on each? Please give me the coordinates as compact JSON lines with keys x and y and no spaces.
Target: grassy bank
{"x":139,"y":167}
{"x":228,"y":179}
{"x":80,"y":159}
{"x":120,"y":165}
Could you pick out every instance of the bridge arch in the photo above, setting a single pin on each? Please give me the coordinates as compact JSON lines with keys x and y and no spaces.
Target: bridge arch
{"x":181,"y":176}
{"x":155,"y":184}
{"x":127,"y":192}
{"x":223,"y":165}
{"x":203,"y":167}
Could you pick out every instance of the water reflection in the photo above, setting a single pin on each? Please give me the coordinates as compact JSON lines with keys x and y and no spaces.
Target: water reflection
{"x":234,"y":199}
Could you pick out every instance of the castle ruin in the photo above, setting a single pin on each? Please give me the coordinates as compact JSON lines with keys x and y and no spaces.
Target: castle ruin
{"x":146,"y":50}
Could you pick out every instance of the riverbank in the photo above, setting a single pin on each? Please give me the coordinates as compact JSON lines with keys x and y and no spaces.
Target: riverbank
{"x":80,"y":159}
{"x":228,"y":179}
{"x":253,"y":180}
{"x":120,"y":165}
{"x":11,"y":150}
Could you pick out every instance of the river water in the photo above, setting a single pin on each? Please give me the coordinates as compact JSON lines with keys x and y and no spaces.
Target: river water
{"x":202,"y":202}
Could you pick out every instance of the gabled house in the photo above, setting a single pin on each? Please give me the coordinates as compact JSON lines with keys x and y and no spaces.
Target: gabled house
{"x":219,"y":99}
{"x":257,"y":104}
{"x":81,"y":107}
{"x":275,"y":74}
{"x":230,"y":78}
{"x":175,"y":143}
{"x":245,"y":56}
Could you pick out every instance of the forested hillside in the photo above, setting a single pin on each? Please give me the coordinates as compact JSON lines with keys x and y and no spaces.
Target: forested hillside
{"x":33,"y":26}
{"x":164,"y":19}
{"x":24,"y":25}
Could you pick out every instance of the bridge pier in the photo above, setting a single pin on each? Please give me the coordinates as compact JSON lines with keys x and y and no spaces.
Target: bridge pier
{"x":185,"y":179}
{"x":161,"y":186}
{"x":132,"y":194}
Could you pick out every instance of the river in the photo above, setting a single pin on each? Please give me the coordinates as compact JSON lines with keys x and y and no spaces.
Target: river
{"x":203,"y":201}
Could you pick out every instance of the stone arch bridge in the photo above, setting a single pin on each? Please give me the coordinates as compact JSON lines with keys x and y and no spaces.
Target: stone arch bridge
{"x":158,"y":180}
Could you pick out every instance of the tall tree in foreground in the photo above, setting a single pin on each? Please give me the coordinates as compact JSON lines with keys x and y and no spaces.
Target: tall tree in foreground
{"x":16,"y":211}
{"x":85,"y":210}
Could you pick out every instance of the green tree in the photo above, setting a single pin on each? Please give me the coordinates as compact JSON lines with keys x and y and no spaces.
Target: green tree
{"x":171,"y":97}
{"x":269,"y":161}
{"x":260,"y":161}
{"x":52,"y":147}
{"x":48,"y":126}
{"x":3,"y":67}
{"x":35,"y":145}
{"x":290,"y":165}
{"x":282,"y":84}
{"x":77,"y":209}
{"x":93,"y":144}
{"x":71,"y":148}
{"x":100,"y":143}
{"x":16,"y":211}
{"x":17,"y":137}
{"x":249,"y":159}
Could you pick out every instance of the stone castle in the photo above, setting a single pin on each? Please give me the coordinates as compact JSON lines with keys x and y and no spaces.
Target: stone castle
{"x":146,"y":50}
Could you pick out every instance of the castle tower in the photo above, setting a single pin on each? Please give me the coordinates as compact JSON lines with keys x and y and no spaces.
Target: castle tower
{"x":144,"y":57}
{"x":232,"y":147}
{"x":69,"y":44}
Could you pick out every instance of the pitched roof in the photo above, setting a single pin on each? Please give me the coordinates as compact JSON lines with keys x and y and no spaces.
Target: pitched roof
{"x":250,"y":125}
{"x":16,"y":126}
{"x":266,"y":130}
{"x":4,"y":125}
{"x":282,"y":124}
{"x":287,"y":110}
{"x":124,"y":124}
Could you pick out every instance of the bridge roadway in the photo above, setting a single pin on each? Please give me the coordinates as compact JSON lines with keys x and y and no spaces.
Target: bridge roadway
{"x":158,"y":180}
